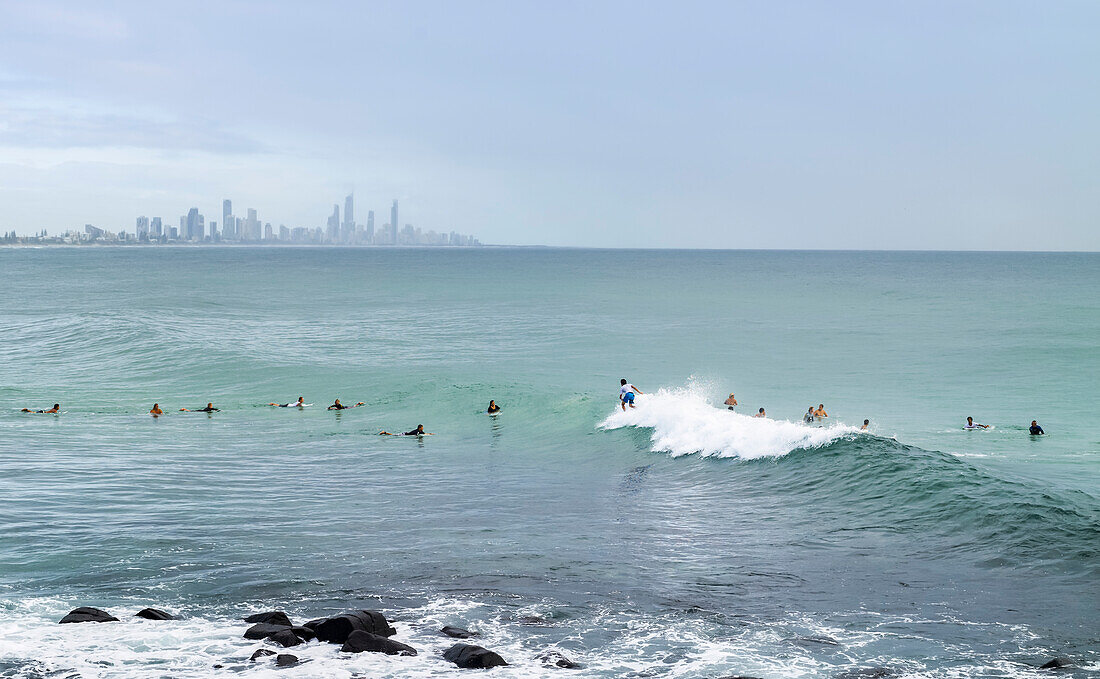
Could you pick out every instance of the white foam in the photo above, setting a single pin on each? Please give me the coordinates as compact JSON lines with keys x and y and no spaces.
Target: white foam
{"x":683,"y":423}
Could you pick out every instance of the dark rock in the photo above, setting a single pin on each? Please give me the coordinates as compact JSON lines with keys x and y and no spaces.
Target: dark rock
{"x":335,"y":630}
{"x":271,"y":618}
{"x":218,"y":667}
{"x":262,"y":630}
{"x":260,"y":653}
{"x":285,"y":638}
{"x":286,"y":660}
{"x":458,"y":632}
{"x":535,"y":620}
{"x":155,"y":614}
{"x":866,"y":673}
{"x":1056,"y":663}
{"x":360,"y":641}
{"x":304,"y":633}
{"x":312,"y":624}
{"x":87,"y":614}
{"x":556,"y":659}
{"x":472,"y":657}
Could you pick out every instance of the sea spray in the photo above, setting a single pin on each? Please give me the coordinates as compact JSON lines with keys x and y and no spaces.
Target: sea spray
{"x":683,"y":423}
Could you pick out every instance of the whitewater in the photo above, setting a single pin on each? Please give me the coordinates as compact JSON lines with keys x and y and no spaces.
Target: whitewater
{"x":683,"y":422}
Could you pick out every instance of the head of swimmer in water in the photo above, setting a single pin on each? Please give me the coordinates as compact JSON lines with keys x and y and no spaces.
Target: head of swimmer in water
{"x":209,"y":405}
{"x":420,"y":429}
{"x":301,"y":399}
{"x":57,"y":406}
{"x":970,"y":420}
{"x":1034,"y":423}
{"x":622,"y":382}
{"x":761,"y":410}
{"x":866,"y":422}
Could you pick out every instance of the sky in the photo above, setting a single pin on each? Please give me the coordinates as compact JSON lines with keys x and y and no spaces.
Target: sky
{"x":792,"y":125}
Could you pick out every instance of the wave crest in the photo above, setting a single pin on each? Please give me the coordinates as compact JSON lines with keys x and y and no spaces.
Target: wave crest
{"x":684,"y":423}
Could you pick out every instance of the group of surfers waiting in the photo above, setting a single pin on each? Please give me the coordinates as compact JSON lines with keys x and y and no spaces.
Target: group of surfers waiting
{"x":157,"y":411}
{"x":628,"y":390}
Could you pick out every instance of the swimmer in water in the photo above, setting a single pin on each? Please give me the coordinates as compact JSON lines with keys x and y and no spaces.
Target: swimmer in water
{"x":52,"y":411}
{"x":300,"y":403}
{"x":340,"y":406}
{"x":808,"y":418}
{"x":156,"y":411}
{"x":626,"y":394}
{"x":970,"y":424}
{"x":820,"y":412}
{"x":866,"y":423}
{"x":419,"y":431}
{"x":208,"y":409}
{"x":731,"y":402}
{"x":1035,"y":429}
{"x":760,"y":414}
{"x":493,"y":408}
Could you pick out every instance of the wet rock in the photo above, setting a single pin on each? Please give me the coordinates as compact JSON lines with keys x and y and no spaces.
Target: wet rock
{"x":535,"y":620}
{"x":286,"y":660}
{"x":458,"y":632}
{"x":218,"y":667}
{"x":360,"y":641}
{"x":87,"y":614}
{"x":285,"y":638}
{"x":556,"y":659}
{"x":1056,"y":663}
{"x":337,"y":629}
{"x":263,"y":630}
{"x":261,"y":653}
{"x":472,"y":657}
{"x":304,"y":633}
{"x":155,"y":614}
{"x":271,"y":618}
{"x":866,"y":673}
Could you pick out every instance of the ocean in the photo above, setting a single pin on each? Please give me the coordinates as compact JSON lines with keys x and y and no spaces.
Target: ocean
{"x":678,"y":539}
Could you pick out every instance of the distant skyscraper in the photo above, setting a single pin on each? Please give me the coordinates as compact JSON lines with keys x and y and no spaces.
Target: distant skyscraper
{"x":349,"y":218}
{"x":156,"y":227}
{"x":370,"y":226}
{"x":392,"y":235}
{"x":251,"y":226}
{"x":268,"y":233}
{"x":191,"y":225}
{"x":227,"y":219}
{"x":332,"y":233}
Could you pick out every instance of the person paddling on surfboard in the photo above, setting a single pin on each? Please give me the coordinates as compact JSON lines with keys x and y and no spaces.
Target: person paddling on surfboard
{"x":52,"y":411}
{"x":340,"y":406}
{"x":626,"y":393}
{"x":971,"y":424}
{"x":419,"y":431}
{"x":208,"y":409}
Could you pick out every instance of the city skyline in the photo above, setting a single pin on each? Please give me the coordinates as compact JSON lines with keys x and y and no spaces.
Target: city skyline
{"x":195,"y":229}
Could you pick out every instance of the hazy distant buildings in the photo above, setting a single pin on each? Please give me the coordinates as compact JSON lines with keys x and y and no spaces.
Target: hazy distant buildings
{"x":391,"y":235}
{"x":229,"y":226}
{"x":194,"y":229}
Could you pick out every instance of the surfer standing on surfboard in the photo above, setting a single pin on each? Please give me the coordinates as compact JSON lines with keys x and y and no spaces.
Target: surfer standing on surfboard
{"x":626,"y":393}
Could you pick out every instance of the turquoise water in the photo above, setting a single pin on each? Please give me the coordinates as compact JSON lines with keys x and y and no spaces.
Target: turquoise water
{"x":676,"y":540}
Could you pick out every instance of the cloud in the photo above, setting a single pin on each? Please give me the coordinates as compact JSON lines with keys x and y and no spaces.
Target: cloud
{"x":40,"y":127}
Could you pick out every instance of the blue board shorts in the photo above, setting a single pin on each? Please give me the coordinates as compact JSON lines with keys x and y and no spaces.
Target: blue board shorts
{"x":628,"y":397}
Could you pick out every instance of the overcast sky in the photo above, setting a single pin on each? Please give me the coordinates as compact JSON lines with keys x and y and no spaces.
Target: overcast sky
{"x":866,"y":125}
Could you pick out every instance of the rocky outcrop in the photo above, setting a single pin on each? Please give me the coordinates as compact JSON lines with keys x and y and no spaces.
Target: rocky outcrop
{"x":260,"y":653}
{"x":337,"y":629}
{"x":155,"y":614}
{"x":1056,"y":663}
{"x":286,"y":660}
{"x":556,"y":659}
{"x":87,"y":614}
{"x":263,"y":630}
{"x":360,"y":641}
{"x":285,"y":638}
{"x":467,"y":656}
{"x":458,"y":632}
{"x":271,"y":618}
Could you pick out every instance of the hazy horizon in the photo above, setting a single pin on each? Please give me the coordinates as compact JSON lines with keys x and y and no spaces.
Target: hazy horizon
{"x":790,"y":126}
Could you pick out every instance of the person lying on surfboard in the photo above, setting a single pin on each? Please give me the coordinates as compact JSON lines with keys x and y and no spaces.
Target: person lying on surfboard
{"x":419,"y":431}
